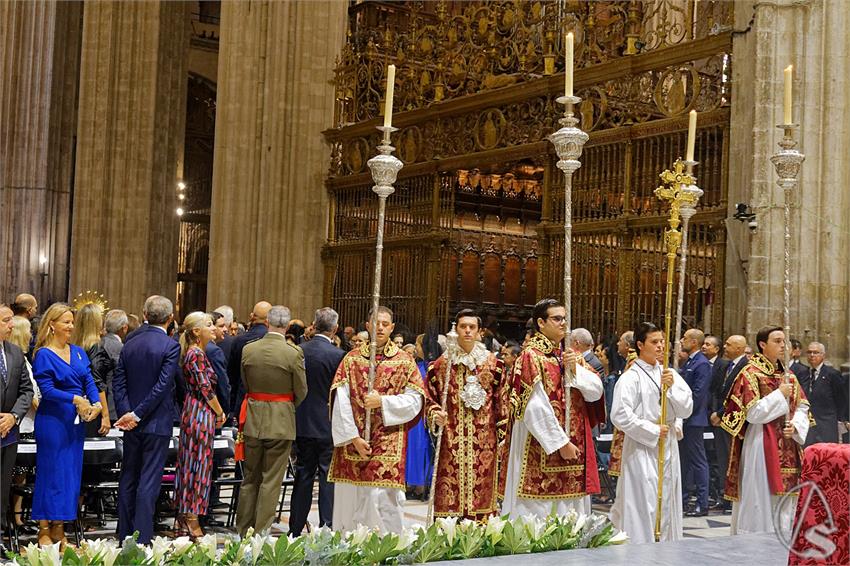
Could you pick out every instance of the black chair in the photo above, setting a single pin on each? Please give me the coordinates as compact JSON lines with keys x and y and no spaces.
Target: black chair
{"x":101,"y":460}
{"x":25,"y":459}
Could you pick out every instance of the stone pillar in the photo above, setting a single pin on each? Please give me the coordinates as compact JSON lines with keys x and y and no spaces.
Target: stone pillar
{"x":269,"y":204}
{"x":811,"y":35}
{"x":133,"y":81}
{"x":39,"y":63}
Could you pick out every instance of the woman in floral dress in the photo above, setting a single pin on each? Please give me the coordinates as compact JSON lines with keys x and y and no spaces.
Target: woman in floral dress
{"x":200,"y":416}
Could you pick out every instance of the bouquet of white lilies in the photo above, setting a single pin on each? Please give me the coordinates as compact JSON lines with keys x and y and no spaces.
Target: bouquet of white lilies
{"x":446,"y":539}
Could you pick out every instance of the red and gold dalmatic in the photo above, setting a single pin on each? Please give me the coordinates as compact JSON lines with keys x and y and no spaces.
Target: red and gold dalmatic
{"x":783,"y":456}
{"x":615,"y":463}
{"x":395,"y":371}
{"x":467,"y":479}
{"x":552,"y":477}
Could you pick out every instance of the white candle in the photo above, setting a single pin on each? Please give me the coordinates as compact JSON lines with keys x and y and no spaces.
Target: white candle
{"x":388,"y":106}
{"x":692,"y":134}
{"x":786,"y":115}
{"x":568,"y":66}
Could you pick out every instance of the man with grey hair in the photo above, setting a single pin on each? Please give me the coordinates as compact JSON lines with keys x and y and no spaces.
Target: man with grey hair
{"x":116,"y":324}
{"x":582,"y":342}
{"x":314,"y":441}
{"x":143,"y":386}
{"x":226,"y":343}
{"x":827,"y":392}
{"x":273,"y":375}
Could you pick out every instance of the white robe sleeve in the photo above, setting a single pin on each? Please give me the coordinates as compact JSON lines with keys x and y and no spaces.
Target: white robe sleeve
{"x":588,"y":383}
{"x":540,"y":419}
{"x":398,"y":409}
{"x":801,"y":423}
{"x":768,"y":408}
{"x":680,"y":400}
{"x":343,"y":427}
{"x":623,"y":415}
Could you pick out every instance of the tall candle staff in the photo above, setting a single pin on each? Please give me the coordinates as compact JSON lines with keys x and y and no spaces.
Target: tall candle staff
{"x":385,"y":168}
{"x":568,"y":142}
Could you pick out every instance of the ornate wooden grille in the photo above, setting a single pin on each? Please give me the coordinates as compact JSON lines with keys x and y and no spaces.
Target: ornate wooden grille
{"x":477,"y":217}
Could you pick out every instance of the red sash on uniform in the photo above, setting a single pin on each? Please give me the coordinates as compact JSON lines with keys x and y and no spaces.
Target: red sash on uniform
{"x":239,"y":451}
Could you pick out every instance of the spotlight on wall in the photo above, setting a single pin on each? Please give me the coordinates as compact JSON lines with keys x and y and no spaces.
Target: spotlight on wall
{"x":743,"y":213}
{"x":179,"y":211}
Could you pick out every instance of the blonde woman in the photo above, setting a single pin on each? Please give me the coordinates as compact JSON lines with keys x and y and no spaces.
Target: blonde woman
{"x":68,"y":397}
{"x":88,"y":328}
{"x":21,"y":336}
{"x":200,"y":416}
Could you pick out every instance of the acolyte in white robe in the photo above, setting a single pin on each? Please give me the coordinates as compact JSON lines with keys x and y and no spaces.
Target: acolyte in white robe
{"x":636,"y":410}
{"x":753,"y":512}
{"x":539,"y":420}
{"x":375,"y":507}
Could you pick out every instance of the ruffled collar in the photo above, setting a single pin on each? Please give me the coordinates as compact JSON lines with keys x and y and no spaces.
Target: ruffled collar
{"x":472,"y":359}
{"x":390,"y":349}
{"x":541,"y":343}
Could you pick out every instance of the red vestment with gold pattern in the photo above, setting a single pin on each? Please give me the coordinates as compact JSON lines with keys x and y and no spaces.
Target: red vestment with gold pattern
{"x":395,"y":371}
{"x":551,"y":476}
{"x":783,"y":456}
{"x":467,"y":480}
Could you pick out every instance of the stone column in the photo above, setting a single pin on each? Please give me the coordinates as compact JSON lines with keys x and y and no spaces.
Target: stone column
{"x":269,"y":203}
{"x":39,"y":63}
{"x":811,"y":35}
{"x":133,"y":82}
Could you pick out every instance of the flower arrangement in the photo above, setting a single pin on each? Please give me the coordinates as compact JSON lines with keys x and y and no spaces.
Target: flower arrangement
{"x":446,"y":539}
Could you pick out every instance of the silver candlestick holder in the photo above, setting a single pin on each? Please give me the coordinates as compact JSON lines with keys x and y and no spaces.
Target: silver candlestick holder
{"x":569,"y":142}
{"x":385,"y":167}
{"x":787,"y":162}
{"x":686,"y":211}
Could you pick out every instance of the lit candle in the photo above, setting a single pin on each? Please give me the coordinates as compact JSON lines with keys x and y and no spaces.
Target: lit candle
{"x":568,"y":66}
{"x":786,"y":115}
{"x":692,"y":134}
{"x":388,"y":107}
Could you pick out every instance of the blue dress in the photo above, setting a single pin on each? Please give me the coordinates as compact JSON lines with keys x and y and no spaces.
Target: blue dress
{"x":59,"y":433}
{"x":418,"y":466}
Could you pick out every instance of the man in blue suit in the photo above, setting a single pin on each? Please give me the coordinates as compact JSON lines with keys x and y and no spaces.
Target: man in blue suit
{"x":314,"y":444}
{"x":697,"y":374}
{"x":143,"y":386}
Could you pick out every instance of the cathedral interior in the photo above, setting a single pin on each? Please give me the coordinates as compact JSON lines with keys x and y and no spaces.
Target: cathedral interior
{"x":217,"y":153}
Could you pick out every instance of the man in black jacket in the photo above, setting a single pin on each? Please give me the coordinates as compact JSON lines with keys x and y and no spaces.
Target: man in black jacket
{"x":259,"y":327}
{"x":313,"y":441}
{"x":721,"y":384}
{"x":16,"y":394}
{"x":827,"y":392}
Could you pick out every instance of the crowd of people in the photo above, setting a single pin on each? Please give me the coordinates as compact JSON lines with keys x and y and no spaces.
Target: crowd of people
{"x":517,"y":425}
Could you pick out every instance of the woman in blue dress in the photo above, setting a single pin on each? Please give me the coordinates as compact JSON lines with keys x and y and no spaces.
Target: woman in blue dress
{"x":67,"y":393}
{"x":418,"y":464}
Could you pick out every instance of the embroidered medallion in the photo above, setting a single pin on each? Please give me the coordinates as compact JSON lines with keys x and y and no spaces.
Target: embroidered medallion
{"x":473,"y":395}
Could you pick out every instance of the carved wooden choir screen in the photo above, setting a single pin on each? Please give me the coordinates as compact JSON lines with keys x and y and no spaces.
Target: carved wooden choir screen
{"x":477,"y":216}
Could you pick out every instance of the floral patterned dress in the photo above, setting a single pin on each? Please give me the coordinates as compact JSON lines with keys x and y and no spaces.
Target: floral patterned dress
{"x":197,"y":430}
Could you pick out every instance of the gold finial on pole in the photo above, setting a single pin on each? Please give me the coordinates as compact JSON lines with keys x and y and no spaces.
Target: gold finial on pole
{"x":672,"y":189}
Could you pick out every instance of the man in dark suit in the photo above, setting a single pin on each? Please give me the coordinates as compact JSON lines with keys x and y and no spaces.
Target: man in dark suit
{"x":16,"y":394}
{"x":800,"y":370}
{"x":258,"y":329}
{"x":227,"y":339}
{"x":697,"y":374}
{"x":314,"y":442}
{"x":826,"y":390}
{"x":721,"y":383}
{"x":143,"y":386}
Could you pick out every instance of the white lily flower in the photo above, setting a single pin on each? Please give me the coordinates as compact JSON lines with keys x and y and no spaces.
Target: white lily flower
{"x":449,"y":526}
{"x":359,"y":535}
{"x":495,"y":526}
{"x":160,"y":547}
{"x":407,"y":537}
{"x":257,"y":543}
{"x":535,"y":526}
{"x":620,"y":538}
{"x":209,"y":544}
{"x":50,"y":555}
{"x":110,"y":554}
{"x":580,"y":521}
{"x":181,"y":545}
{"x":467,"y":524}
{"x":32,"y":553}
